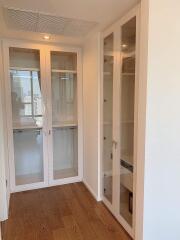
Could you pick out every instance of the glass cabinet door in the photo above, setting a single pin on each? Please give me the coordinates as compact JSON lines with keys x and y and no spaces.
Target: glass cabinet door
{"x":27,"y":115}
{"x":128,"y":60}
{"x":64,"y":114}
{"x":107,"y":157}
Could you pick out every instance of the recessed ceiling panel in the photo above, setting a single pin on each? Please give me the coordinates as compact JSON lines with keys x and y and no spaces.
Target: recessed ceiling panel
{"x":44,"y":23}
{"x":22,"y":20}
{"x":51,"y":24}
{"x":78,"y":28}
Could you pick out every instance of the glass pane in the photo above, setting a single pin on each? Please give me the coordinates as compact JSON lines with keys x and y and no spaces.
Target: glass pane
{"x":127,"y":119}
{"x":128,"y":36}
{"x":65,"y":146}
{"x":26,"y":98}
{"x":28,"y":156}
{"x":64,"y":114}
{"x":107,"y":116}
{"x":26,"y":94}
{"x":64,"y":98}
{"x":27,"y":115}
{"x":64,"y":61}
{"x":24,"y":58}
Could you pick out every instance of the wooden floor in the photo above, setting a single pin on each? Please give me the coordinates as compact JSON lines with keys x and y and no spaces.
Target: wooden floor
{"x":67,"y":212}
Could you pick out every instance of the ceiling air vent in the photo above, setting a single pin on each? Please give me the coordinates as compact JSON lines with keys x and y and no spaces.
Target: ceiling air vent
{"x":45,"y":23}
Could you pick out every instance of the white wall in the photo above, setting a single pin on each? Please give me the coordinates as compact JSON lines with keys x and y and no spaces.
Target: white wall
{"x":4,"y":192}
{"x":91,"y":55}
{"x":162,"y":136}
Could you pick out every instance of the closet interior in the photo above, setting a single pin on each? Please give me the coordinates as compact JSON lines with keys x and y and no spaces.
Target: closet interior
{"x":119,"y":98}
{"x":64,"y":114}
{"x":127,"y":101}
{"x":108,"y":116}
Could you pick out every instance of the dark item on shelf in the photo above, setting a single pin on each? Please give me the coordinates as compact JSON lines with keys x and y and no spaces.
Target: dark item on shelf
{"x":127,"y":165}
{"x":131,"y":202}
{"x":36,"y":130}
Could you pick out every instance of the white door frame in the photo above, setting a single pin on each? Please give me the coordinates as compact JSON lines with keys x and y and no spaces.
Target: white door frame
{"x":105,"y":34}
{"x":115,"y":29}
{"x":4,"y":198}
{"x":78,"y":178}
{"x":27,"y":45}
{"x":45,"y":81}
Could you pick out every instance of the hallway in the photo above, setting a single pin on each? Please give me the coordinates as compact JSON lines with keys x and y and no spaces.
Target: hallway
{"x":67,"y":212}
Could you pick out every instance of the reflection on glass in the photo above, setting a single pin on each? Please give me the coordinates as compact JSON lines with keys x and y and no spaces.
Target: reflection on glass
{"x":128,"y":40}
{"x":28,"y":156}
{"x":26,"y":98}
{"x":64,"y":98}
{"x":107,"y":116}
{"x":27,"y":115}
{"x":128,"y":36}
{"x":64,"y":114}
{"x":65,"y":146}
{"x":64,"y":61}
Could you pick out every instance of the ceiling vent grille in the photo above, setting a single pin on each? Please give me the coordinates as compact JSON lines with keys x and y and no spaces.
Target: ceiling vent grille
{"x":44,"y":23}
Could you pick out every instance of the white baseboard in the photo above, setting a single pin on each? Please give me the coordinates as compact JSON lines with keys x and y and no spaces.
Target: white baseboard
{"x":91,"y":190}
{"x":0,"y":232}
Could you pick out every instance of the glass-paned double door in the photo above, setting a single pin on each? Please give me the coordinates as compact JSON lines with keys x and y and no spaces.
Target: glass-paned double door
{"x":119,"y":120}
{"x":43,"y":116}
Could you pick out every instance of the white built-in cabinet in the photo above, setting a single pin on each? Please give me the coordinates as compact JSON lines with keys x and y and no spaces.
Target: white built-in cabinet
{"x":44,"y":111}
{"x":119,"y":94}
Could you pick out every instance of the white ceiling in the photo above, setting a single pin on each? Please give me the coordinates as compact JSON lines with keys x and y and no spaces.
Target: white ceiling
{"x":104,"y":12}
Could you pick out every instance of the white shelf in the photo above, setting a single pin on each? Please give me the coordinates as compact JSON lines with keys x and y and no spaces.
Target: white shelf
{"x":108,"y":173}
{"x":127,"y":122}
{"x":128,"y":74}
{"x":29,"y":178}
{"x":107,"y":73}
{"x":64,"y":125}
{"x":63,"y":71}
{"x":127,"y":179}
{"x":19,"y":127}
{"x":107,"y":123}
{"x":65,"y":173}
{"x":24,"y":69}
{"x":127,"y":158}
{"x":109,"y":53}
{"x":129,"y":54}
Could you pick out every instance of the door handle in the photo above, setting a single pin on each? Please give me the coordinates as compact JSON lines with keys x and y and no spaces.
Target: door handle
{"x":115,"y":143}
{"x":46,"y":133}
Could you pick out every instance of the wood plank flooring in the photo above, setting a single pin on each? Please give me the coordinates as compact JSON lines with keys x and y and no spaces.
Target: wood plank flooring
{"x":67,"y":212}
